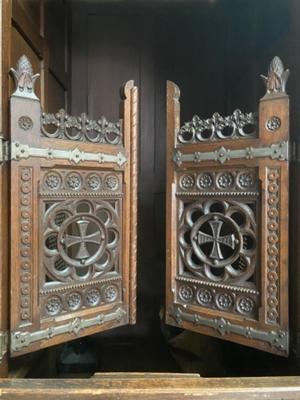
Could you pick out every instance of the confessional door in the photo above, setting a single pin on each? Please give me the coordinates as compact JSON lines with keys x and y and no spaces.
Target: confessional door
{"x":73,"y":185}
{"x":227,"y":220}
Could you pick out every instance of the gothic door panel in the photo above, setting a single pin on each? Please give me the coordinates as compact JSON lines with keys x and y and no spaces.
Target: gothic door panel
{"x":73,"y":219}
{"x":227,"y":220}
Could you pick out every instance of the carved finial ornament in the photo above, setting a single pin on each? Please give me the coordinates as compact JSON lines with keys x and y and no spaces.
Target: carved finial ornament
{"x":277,"y":77}
{"x":24,"y":78}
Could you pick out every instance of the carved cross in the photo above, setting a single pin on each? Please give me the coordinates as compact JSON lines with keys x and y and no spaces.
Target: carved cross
{"x":82,"y":239}
{"x":216,"y":239}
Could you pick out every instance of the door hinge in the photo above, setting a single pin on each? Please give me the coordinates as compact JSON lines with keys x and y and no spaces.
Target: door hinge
{"x":295,"y":151}
{"x":4,"y":150}
{"x":3,"y":343}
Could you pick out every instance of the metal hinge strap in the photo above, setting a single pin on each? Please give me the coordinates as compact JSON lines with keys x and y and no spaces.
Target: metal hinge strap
{"x":19,"y":340}
{"x":276,"y":151}
{"x":277,"y":339}
{"x":23,"y":151}
{"x":3,"y":343}
{"x":4,"y":150}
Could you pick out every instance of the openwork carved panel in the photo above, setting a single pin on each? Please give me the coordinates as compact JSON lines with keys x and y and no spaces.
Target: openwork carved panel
{"x":227,"y":220}
{"x":217,"y":240}
{"x":81,"y":239}
{"x":235,"y":126}
{"x":64,"y":126}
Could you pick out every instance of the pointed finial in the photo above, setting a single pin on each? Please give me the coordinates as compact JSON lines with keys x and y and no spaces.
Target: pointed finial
{"x":24,"y":79}
{"x":277,"y":77}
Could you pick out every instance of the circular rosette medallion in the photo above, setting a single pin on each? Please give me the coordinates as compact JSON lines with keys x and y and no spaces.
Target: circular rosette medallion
{"x":217,"y":240}
{"x":80,"y":239}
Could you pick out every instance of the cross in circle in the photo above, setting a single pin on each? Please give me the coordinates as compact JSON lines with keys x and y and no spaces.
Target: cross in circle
{"x":216,"y":239}
{"x":70,"y":240}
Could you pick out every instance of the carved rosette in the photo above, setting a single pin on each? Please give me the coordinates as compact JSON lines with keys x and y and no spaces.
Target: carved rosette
{"x":272,"y":280}
{"x":85,"y":183}
{"x":66,"y":300}
{"x":25,"y":242}
{"x":244,"y":180}
{"x":234,"y":300}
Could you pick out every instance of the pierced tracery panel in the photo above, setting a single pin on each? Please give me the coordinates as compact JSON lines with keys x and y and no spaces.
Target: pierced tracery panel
{"x":217,"y":240}
{"x":81,"y":239}
{"x":236,"y":125}
{"x":64,"y":126}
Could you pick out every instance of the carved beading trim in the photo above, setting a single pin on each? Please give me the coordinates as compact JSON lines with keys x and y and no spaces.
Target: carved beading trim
{"x":20,"y":340}
{"x":100,"y":131}
{"x":23,"y":151}
{"x":276,"y":339}
{"x":212,"y":129}
{"x":133,"y":206}
{"x":217,"y":194}
{"x":272,"y":248}
{"x":237,"y":289}
{"x":24,"y":79}
{"x":25,"y":242}
{"x":82,"y":194}
{"x":276,"y":151}
{"x":66,"y":287}
{"x":277,"y":77}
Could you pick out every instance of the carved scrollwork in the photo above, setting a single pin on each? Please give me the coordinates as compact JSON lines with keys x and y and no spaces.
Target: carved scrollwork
{"x":81,"y":239}
{"x":217,"y":240}
{"x":24,"y":78}
{"x":81,"y":128}
{"x":237,"y":125}
{"x":277,"y":77}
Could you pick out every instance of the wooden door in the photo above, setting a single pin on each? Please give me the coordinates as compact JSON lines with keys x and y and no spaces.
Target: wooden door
{"x":227,"y":220}
{"x":73,"y":219}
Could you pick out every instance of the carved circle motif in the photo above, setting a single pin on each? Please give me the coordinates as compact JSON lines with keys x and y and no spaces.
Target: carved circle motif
{"x":224,"y":301}
{"x":81,"y":239}
{"x":187,"y":182}
{"x":273,"y":245}
{"x":186,"y":293}
{"x":205,"y":181}
{"x":273,"y":123}
{"x":74,"y":301}
{"x":93,"y":181}
{"x":111,"y":293}
{"x":245,"y":305}
{"x":74,"y":181}
{"x":246,"y":180}
{"x":112,"y":182}
{"x":52,"y":180}
{"x":204,"y":296}
{"x":25,"y":123}
{"x":93,"y":297}
{"x":54,"y":305}
{"x":225,"y":180}
{"x":217,"y":240}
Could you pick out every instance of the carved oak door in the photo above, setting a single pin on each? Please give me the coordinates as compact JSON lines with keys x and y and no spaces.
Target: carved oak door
{"x":227,"y":220}
{"x":73,"y":219}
